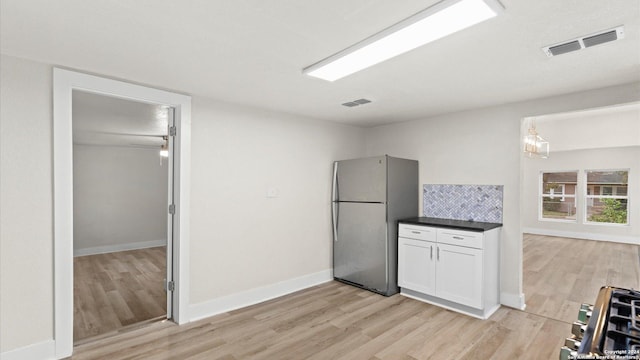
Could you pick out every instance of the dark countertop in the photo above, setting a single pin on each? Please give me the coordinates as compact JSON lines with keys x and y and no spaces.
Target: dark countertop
{"x":451,"y":224}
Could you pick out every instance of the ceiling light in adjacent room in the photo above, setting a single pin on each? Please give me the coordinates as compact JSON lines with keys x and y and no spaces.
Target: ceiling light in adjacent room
{"x":164,"y":149}
{"x":438,"y":21}
{"x":534,"y":144}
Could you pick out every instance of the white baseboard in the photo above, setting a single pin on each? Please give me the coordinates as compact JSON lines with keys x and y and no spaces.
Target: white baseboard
{"x":513,"y":300}
{"x":634,"y":240}
{"x":43,"y":351}
{"x":257,"y":295}
{"x":119,"y":247}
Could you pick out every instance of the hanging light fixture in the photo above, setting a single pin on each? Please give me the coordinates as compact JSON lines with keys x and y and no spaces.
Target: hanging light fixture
{"x":164,"y":149}
{"x":534,"y":144}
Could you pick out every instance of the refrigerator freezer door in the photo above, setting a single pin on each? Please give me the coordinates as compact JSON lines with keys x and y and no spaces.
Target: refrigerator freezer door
{"x":363,"y":180}
{"x":360,"y":248}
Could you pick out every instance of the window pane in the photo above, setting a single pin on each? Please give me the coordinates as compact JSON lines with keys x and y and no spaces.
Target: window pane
{"x":621,"y":190}
{"x":559,"y":183}
{"x":556,"y":208}
{"x":604,"y":185}
{"x":607,"y":179}
{"x":607,"y":210}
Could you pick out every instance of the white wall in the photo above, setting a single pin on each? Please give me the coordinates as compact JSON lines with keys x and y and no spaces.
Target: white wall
{"x":594,"y":159}
{"x":483,"y":147}
{"x":26,"y":204}
{"x":240,"y":240}
{"x":119,"y":199}
{"x":615,"y":126}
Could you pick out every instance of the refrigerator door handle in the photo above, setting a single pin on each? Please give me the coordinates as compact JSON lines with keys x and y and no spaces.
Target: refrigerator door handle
{"x":334,"y":190}
{"x":334,"y":199}
{"x":334,"y":211}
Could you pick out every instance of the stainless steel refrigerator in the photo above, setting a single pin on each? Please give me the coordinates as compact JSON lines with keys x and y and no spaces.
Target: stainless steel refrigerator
{"x":369,"y":196}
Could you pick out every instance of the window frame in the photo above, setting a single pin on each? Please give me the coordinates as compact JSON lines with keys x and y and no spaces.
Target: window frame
{"x":563,"y":196}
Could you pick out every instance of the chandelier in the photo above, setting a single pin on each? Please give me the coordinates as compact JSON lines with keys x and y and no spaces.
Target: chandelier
{"x":534,"y":145}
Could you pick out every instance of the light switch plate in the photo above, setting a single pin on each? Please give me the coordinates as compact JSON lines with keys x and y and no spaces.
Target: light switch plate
{"x":272,"y":192}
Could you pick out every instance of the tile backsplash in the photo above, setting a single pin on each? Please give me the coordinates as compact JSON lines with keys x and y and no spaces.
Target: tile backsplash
{"x":463,"y":202}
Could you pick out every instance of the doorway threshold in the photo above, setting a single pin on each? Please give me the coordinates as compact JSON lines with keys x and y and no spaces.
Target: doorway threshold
{"x":123,"y":330}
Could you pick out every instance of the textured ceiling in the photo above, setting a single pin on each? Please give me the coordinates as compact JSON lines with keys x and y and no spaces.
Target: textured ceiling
{"x":252,"y":51}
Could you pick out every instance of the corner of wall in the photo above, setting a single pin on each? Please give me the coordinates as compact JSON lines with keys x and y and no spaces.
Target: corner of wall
{"x":513,"y":300}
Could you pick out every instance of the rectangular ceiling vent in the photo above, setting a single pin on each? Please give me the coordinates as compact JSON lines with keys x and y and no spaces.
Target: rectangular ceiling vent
{"x":356,"y":102}
{"x":600,"y":37}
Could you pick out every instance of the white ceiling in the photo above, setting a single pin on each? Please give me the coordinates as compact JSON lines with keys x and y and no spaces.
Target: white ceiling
{"x":252,"y":51}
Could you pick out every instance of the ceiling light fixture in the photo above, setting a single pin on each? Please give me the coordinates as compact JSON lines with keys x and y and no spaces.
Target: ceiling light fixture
{"x":433,"y":23}
{"x":534,"y":144}
{"x":164,"y":149}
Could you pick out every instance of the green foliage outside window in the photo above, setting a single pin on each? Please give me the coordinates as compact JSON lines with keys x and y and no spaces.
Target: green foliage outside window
{"x":614,"y":211}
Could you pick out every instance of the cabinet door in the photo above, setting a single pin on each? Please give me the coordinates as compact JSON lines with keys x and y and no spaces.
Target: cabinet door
{"x":416,"y":265}
{"x":459,"y":274}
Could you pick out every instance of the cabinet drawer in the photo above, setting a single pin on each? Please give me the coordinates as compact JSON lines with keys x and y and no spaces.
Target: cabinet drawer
{"x":461,"y":238}
{"x":417,"y":232}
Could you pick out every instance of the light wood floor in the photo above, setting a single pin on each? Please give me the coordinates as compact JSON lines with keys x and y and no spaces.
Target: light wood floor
{"x":118,"y":289}
{"x":337,"y":321}
{"x":559,"y":273}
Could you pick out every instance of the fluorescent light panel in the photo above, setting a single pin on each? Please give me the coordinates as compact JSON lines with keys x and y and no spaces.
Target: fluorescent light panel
{"x":438,"y":21}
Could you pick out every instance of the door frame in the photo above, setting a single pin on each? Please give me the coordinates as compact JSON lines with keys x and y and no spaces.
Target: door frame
{"x":64,"y":82}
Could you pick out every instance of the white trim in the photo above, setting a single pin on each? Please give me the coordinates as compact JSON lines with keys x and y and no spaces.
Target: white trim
{"x":257,"y":295}
{"x":44,"y":350}
{"x":634,"y":240}
{"x":450,"y":305}
{"x":119,"y":247}
{"x":513,"y":300}
{"x":64,"y":82}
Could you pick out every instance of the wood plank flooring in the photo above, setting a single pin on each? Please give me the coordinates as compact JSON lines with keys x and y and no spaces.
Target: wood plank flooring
{"x":117,"y":289}
{"x":561,"y":273}
{"x":337,"y":321}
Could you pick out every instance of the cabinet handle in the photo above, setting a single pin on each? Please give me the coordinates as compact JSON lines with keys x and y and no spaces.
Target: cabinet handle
{"x":431,"y":252}
{"x":438,"y":253}
{"x":458,"y":238}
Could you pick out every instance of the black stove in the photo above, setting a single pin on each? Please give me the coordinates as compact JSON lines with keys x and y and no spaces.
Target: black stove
{"x":609,"y":329}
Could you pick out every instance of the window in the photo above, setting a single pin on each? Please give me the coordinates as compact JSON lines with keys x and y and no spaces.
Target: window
{"x":607,"y":197}
{"x":558,"y":196}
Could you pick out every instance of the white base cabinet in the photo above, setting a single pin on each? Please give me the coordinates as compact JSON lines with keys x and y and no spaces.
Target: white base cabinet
{"x":456,"y":269}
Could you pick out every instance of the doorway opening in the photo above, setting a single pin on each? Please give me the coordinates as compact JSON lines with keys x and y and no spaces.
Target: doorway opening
{"x":65,"y":83}
{"x":574,"y":240}
{"x":122,"y":233}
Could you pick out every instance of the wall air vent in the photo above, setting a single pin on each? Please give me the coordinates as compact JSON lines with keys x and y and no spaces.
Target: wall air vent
{"x":600,"y":37}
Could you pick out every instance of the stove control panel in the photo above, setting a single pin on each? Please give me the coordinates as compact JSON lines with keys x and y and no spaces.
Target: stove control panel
{"x":571,"y":345}
{"x":610,"y":329}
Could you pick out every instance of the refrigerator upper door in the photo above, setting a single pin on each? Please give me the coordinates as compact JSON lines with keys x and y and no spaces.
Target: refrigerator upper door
{"x":360,"y":247}
{"x":363,"y":180}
